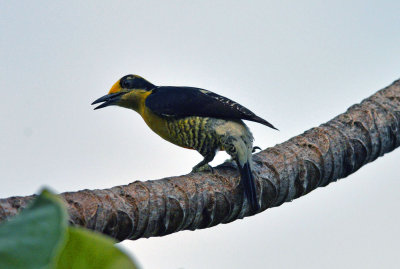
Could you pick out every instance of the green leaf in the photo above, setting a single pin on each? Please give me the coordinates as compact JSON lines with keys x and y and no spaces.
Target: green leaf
{"x":39,"y":238}
{"x":34,"y":237}
{"x":87,"y":249}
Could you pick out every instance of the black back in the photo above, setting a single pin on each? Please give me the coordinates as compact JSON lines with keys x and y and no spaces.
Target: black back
{"x":188,"y":101}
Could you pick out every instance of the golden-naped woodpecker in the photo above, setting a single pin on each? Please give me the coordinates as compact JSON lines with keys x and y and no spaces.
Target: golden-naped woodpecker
{"x":192,"y":118}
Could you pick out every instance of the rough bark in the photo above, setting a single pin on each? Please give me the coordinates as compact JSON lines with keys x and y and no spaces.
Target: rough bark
{"x":285,"y":172}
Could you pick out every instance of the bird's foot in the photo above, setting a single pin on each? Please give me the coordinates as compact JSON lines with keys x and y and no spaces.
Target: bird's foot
{"x":230,"y":163}
{"x":255,"y":148}
{"x":203,"y":168}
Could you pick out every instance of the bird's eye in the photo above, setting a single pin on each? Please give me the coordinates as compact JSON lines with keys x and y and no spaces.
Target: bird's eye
{"x":128,"y":82}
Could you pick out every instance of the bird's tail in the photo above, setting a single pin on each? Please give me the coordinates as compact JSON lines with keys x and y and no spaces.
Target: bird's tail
{"x":238,"y":142}
{"x":249,"y":186}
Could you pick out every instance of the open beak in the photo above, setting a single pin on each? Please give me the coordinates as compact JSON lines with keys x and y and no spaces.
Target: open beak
{"x":109,"y":99}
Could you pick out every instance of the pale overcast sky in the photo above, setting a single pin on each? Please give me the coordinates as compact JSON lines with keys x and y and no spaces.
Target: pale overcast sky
{"x":295,"y":63}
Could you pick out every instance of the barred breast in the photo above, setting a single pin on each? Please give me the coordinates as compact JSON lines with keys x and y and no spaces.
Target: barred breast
{"x":203,"y":134}
{"x":194,"y":133}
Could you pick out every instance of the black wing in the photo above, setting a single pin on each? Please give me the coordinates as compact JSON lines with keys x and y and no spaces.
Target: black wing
{"x":188,"y":101}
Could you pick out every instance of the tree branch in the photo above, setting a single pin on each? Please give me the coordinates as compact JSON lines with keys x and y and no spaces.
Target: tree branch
{"x":285,"y":172}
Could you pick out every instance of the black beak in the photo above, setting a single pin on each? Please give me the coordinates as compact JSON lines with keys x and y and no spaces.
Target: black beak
{"x":109,"y":99}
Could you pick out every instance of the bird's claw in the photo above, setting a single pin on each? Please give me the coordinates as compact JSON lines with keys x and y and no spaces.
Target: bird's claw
{"x":230,"y":163}
{"x":203,"y":168}
{"x":255,"y":148}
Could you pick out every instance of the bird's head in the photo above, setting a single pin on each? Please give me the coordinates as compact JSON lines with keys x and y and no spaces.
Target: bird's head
{"x":126,"y":92}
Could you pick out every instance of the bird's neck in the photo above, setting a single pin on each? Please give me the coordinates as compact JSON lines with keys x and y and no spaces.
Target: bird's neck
{"x":135,"y":100}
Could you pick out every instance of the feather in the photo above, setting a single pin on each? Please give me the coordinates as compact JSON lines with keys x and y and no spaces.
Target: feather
{"x":171,"y":101}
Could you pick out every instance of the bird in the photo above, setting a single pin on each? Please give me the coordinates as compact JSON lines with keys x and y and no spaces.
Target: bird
{"x":193,"y":118}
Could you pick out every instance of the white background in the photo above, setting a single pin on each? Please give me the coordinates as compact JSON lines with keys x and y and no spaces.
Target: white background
{"x":295,"y":63}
